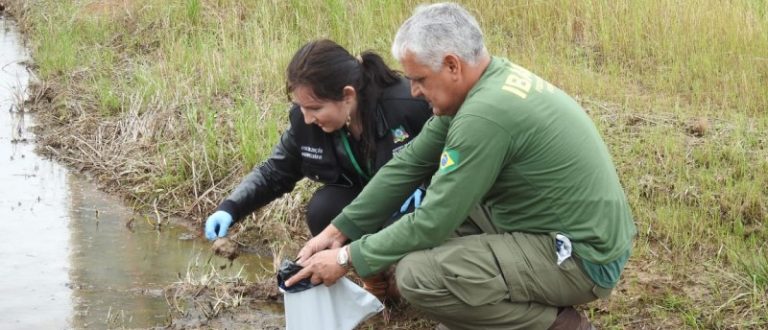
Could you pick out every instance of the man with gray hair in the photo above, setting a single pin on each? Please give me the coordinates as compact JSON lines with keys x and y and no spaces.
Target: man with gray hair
{"x":513,"y":154}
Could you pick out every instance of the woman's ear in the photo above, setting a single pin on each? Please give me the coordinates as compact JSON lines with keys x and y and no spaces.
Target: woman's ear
{"x":349,"y":93}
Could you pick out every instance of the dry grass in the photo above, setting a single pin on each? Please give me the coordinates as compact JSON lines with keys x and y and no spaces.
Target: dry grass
{"x":170,"y":103}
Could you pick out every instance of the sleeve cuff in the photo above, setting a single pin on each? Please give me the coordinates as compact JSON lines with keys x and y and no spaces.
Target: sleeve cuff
{"x":347,"y":227}
{"x":358,"y":262}
{"x":231,"y":208}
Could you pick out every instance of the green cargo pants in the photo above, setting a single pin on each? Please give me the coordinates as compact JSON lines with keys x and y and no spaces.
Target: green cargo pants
{"x":494,"y":281}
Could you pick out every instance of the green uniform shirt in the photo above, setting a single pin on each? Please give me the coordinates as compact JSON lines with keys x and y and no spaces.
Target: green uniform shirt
{"x":518,"y":145}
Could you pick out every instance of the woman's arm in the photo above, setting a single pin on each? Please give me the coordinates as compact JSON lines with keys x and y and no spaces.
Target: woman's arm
{"x":268,"y":180}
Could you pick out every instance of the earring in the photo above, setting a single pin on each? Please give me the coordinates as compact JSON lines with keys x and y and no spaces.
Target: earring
{"x":349,"y":120}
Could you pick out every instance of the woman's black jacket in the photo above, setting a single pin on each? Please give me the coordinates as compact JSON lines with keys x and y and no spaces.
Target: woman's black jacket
{"x":306,"y":151}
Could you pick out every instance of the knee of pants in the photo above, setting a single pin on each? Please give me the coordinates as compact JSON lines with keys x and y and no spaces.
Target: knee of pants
{"x":319,"y":216}
{"x":415,"y":278}
{"x":326,"y":203}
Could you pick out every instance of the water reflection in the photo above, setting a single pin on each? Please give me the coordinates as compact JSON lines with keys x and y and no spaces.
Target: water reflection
{"x":68,"y":259}
{"x":117,"y":274}
{"x":33,"y":210}
{"x":120,"y":263}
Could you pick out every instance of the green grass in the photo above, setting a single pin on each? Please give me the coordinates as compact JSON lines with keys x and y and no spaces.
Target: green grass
{"x":190,"y":94}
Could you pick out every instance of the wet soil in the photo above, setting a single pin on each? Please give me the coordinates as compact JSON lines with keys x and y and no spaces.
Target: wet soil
{"x":79,"y":258}
{"x":226,"y":248}
{"x":73,"y":256}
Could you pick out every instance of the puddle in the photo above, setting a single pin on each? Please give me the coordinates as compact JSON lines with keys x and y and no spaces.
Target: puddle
{"x":72,"y":256}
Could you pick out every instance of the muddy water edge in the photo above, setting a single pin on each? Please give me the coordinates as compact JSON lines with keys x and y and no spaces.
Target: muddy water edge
{"x":75,"y":257}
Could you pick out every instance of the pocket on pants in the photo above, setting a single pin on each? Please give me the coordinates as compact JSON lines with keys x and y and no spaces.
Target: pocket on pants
{"x":513,"y":270}
{"x":477,"y":291}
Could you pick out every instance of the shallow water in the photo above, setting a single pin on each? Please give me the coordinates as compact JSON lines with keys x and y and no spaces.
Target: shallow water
{"x":70,"y":255}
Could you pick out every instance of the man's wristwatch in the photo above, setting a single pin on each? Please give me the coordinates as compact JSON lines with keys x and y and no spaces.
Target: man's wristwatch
{"x":342,"y":258}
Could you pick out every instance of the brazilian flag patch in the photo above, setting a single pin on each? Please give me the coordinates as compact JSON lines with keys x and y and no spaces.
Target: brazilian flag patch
{"x":449,"y":160}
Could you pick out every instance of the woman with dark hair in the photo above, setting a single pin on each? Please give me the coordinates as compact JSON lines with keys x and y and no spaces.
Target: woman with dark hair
{"x":349,"y":116}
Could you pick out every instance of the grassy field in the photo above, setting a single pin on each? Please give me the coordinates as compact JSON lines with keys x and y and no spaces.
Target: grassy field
{"x":171,"y":102}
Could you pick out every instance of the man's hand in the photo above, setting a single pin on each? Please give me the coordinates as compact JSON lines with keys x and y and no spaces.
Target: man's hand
{"x":320,"y":268}
{"x":330,"y":238}
{"x":315,"y":245}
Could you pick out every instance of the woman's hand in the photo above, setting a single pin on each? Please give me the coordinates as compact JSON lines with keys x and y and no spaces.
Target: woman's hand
{"x":217,"y":225}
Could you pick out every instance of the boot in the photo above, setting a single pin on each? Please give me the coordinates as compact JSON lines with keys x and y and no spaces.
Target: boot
{"x":377,"y":285}
{"x":570,"y":319}
{"x":393,"y":293}
{"x":383,"y":286}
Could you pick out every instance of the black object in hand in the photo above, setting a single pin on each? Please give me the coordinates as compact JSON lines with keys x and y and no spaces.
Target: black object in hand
{"x":287,"y":269}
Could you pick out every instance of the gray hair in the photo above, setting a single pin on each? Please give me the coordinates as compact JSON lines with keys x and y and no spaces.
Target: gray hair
{"x":437,"y":30}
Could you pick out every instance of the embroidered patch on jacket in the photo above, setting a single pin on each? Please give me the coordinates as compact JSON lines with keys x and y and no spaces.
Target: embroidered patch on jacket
{"x":399,"y":134}
{"x":311,"y":152}
{"x":449,"y":160}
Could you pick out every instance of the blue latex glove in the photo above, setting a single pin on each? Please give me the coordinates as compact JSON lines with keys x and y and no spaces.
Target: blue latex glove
{"x":217,"y":225}
{"x":415,"y":198}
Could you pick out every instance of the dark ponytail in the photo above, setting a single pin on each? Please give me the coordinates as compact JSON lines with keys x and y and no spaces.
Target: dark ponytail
{"x":326,"y":67}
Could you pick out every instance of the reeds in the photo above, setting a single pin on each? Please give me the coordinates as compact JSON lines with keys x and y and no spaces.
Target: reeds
{"x":172,"y":102}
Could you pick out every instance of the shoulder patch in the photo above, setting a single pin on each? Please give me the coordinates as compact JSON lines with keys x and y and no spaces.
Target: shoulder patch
{"x":449,"y":160}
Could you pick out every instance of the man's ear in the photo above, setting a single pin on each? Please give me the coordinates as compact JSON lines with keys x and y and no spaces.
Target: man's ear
{"x":452,"y":64}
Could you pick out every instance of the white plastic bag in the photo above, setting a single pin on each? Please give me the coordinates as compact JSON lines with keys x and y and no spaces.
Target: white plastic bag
{"x":338,"y":307}
{"x":563,"y":248}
